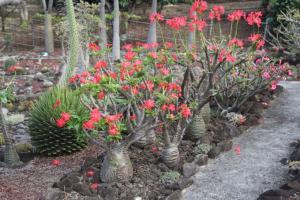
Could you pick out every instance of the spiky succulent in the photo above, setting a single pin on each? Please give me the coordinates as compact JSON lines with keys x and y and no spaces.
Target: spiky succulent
{"x":46,"y":137}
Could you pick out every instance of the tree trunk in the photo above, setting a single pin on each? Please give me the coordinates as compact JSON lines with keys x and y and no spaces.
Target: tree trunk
{"x":148,"y":138}
{"x":152,"y":35}
{"x":68,"y":70}
{"x":170,"y":155}
{"x":192,"y":36}
{"x":11,"y":157}
{"x":24,"y":11}
{"x":49,"y":41}
{"x":103,"y":34}
{"x":116,"y":32}
{"x":116,"y":165}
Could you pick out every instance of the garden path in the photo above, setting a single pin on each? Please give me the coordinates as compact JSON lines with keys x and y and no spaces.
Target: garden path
{"x":258,"y":167}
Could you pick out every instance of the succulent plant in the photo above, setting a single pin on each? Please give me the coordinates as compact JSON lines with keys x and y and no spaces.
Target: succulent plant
{"x":46,"y":137}
{"x":169,"y":177}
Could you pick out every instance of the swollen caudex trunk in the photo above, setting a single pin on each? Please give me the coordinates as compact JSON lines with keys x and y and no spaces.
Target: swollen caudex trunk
{"x":196,"y":128}
{"x":116,"y":165}
{"x":206,"y":113}
{"x":146,"y":138}
{"x":170,"y":155}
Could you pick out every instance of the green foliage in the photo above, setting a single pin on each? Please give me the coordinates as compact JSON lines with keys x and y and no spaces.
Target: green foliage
{"x":202,"y":149}
{"x":169,"y":177}
{"x":275,"y":7}
{"x":47,"y":138}
{"x":8,"y":63}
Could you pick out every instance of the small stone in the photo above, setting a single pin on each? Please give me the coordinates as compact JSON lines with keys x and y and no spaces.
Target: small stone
{"x":21,"y":126}
{"x":47,"y":84}
{"x":40,"y":77}
{"x":177,"y":195}
{"x":185,"y":182}
{"x":201,"y":159}
{"x":21,"y":131}
{"x":82,"y":189}
{"x":55,"y":194}
{"x":225,"y":145}
{"x":44,"y":69}
{"x":189,"y":169}
{"x":214,"y":152}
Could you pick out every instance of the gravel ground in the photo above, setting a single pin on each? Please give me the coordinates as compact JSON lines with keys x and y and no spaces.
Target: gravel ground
{"x":258,"y":167}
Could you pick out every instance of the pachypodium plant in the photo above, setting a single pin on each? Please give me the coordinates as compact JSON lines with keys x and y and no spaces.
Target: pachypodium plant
{"x":168,"y":85}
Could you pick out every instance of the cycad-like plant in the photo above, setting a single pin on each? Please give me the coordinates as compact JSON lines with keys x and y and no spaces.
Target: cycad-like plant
{"x":47,"y":138}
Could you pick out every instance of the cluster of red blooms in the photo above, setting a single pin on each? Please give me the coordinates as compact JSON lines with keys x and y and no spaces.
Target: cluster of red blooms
{"x":236,"y":15}
{"x":12,"y":69}
{"x":64,"y":118}
{"x":216,"y":13}
{"x":93,"y":47}
{"x":254,"y":18}
{"x":257,"y":39}
{"x":156,"y":17}
{"x":177,"y":22}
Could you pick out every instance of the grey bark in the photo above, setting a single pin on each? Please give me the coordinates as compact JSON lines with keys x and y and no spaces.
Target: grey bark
{"x":152,"y":35}
{"x":49,"y":41}
{"x":11,"y":157}
{"x":116,"y":32}
{"x":103,"y":34}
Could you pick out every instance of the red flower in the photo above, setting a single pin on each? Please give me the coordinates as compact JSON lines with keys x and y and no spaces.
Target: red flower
{"x":236,"y":42}
{"x":156,"y":17}
{"x":216,"y":12}
{"x":152,"y":45}
{"x":149,"y":104}
{"x":235,"y":15}
{"x":113,"y":129}
{"x":93,"y":46}
{"x":254,"y":18}
{"x":172,"y":107}
{"x":65,"y":116}
{"x":90,"y":173}
{"x":101,"y":95}
{"x":133,"y":117}
{"x":168,"y":45}
{"x":55,"y":162}
{"x":113,"y":118}
{"x":154,"y":149}
{"x":127,"y":47}
{"x":177,"y":22}
{"x":197,"y":24}
{"x":12,"y":69}
{"x":94,"y":186}
{"x":88,"y":124}
{"x":95,"y":115}
{"x":238,"y":150}
{"x":100,"y":64}
{"x":185,"y":111}
{"x":199,"y":6}
{"x":129,"y":55}
{"x":56,"y":104}
{"x":257,"y":38}
{"x":153,"y":55}
{"x":60,"y":123}
{"x":165,"y":71}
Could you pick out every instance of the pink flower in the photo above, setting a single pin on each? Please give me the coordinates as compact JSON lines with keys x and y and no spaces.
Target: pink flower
{"x":236,"y":42}
{"x":127,"y":47}
{"x":113,"y":118}
{"x":238,"y":150}
{"x":273,"y":85}
{"x":266,"y":75}
{"x":95,"y":115}
{"x":94,"y":186}
{"x":185,"y":111}
{"x":290,"y":73}
{"x":88,"y":124}
{"x":172,"y":107}
{"x":93,"y":46}
{"x":129,"y":55}
{"x":101,"y":95}
{"x":100,"y":64}
{"x":177,"y":22}
{"x":149,"y":104}
{"x":216,"y":12}
{"x":65,"y":116}
{"x":198,"y":6}
{"x":90,"y":173}
{"x":165,"y":71}
{"x":254,"y":18}
{"x":153,"y":55}
{"x":168,"y":45}
{"x":55,"y":162}
{"x":60,"y":123}
{"x":235,"y":15}
{"x":113,"y":129}
{"x":156,"y":17}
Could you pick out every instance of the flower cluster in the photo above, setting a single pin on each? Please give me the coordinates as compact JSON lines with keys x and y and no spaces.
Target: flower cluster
{"x":64,"y":118}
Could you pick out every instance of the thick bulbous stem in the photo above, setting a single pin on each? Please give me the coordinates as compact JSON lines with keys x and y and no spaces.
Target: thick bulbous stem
{"x":148,"y":138}
{"x":196,"y":128}
{"x":170,"y":155}
{"x":116,"y":165}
